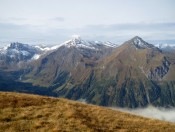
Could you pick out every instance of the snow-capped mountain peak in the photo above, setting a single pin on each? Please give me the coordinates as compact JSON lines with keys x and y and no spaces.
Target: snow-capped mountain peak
{"x":78,"y":42}
{"x":75,"y":41}
{"x":19,"y":52}
{"x":141,"y":44}
{"x":137,"y":41}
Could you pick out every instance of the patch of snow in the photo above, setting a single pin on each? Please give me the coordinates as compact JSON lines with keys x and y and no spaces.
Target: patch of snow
{"x":38,"y":47}
{"x":48,"y":48}
{"x":42,"y":48}
{"x":5,"y":48}
{"x":25,"y":53}
{"x":13,"y":51}
{"x":107,"y":43}
{"x":55,"y":47}
{"x":139,"y":43}
{"x":36,"y":57}
{"x":86,"y":46}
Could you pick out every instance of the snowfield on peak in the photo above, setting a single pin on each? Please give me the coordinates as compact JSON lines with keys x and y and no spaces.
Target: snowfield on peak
{"x":79,"y":43}
{"x":141,"y":44}
{"x":47,"y":48}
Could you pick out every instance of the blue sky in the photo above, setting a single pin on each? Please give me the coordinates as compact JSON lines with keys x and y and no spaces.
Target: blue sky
{"x":54,"y":21}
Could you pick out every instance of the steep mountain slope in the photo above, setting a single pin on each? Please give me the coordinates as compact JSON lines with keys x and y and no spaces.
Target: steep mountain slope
{"x":135,"y":74}
{"x":140,"y":55}
{"x":23,"y":112}
{"x":73,"y":59}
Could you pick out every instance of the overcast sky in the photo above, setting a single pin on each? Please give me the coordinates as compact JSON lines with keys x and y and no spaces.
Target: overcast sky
{"x":54,"y":21}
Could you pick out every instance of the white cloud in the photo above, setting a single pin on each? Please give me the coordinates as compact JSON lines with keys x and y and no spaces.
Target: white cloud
{"x":60,"y":19}
{"x":112,"y":20}
{"x":165,"y":114}
{"x":117,"y":33}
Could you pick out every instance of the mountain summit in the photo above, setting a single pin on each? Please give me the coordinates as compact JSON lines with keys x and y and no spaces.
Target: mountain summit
{"x":139,"y":43}
{"x":75,"y":41}
{"x":78,"y":42}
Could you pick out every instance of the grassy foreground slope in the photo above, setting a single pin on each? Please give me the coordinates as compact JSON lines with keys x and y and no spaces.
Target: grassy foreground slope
{"x":24,"y":112}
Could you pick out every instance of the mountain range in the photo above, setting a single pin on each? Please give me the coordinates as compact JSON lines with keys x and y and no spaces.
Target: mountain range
{"x":133,"y":74}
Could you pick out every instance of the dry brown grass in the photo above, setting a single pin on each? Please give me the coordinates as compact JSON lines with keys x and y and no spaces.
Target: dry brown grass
{"x":23,"y":112}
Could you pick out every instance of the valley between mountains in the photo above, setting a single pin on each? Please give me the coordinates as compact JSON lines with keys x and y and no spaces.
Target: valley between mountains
{"x":133,"y":74}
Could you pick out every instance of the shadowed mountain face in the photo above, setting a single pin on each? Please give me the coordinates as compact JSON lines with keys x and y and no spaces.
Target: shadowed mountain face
{"x":16,"y":54}
{"x":134,"y":74}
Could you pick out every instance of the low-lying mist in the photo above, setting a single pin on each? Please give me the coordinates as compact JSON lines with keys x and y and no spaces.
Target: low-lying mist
{"x":165,"y":114}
